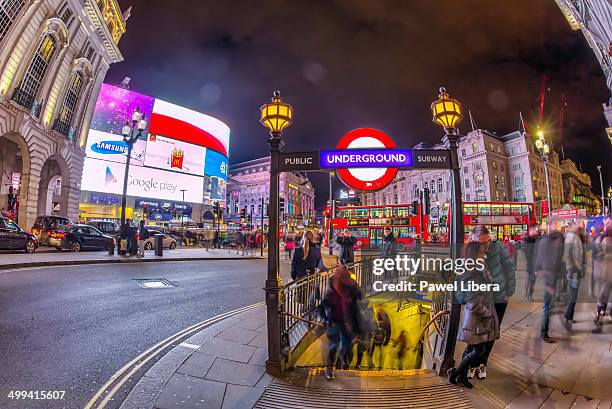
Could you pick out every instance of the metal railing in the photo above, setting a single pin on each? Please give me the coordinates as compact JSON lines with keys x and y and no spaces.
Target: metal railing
{"x":62,"y":127}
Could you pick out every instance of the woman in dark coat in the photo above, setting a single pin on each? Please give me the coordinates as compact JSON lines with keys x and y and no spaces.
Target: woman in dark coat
{"x":479,"y":323}
{"x":306,"y":259}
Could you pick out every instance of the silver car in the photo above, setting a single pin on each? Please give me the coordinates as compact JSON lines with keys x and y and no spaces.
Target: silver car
{"x":167,"y":241}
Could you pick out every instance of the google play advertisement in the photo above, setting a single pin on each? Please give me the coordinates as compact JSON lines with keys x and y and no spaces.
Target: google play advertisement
{"x":105,"y":176}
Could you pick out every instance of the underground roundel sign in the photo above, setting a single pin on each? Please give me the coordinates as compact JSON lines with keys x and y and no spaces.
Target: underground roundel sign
{"x":362,"y":178}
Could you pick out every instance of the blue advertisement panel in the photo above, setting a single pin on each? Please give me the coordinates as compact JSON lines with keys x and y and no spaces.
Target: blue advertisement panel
{"x":216,"y":164}
{"x":162,"y":210}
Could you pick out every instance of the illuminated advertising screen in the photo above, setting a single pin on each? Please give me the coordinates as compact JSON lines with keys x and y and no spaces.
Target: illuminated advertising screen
{"x":104,"y":176}
{"x":179,"y":149}
{"x":111,"y":147}
{"x":170,"y":154}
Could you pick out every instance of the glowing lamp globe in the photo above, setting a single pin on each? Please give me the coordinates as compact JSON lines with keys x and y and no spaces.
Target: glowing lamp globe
{"x":276,"y":115}
{"x":446,"y":111}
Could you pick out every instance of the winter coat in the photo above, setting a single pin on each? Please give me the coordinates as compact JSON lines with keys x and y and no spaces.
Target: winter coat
{"x":502,"y":269}
{"x":479,"y":322}
{"x":342,"y":311}
{"x":301,"y":267}
{"x":573,"y":255}
{"x":347,"y":248}
{"x":389,"y":247}
{"x":549,"y":257}
{"x":602,"y":257}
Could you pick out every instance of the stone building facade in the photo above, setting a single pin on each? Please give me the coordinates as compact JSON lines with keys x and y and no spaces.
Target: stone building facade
{"x":577,"y":188}
{"x":249,"y":182}
{"x":54,"y":55}
{"x":493,"y":168}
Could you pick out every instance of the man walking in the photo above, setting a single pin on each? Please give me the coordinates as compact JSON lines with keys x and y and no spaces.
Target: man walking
{"x":530,"y":242}
{"x":573,"y":257}
{"x":549,"y":265}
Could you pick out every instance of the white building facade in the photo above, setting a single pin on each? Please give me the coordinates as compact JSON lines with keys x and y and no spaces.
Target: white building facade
{"x":249,"y":183}
{"x":54,"y":55}
{"x":493,"y":169}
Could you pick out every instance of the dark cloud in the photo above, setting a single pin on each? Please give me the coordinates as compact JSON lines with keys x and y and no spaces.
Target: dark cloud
{"x":348,"y":63}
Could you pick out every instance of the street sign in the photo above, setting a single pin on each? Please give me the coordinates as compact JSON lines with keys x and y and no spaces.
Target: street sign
{"x":290,"y":161}
{"x":431,"y":158}
{"x":366,"y":158}
{"x":366,"y":178}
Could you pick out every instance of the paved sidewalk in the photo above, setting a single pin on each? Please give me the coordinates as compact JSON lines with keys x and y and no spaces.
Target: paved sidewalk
{"x":57,"y":258}
{"x":223,"y":366}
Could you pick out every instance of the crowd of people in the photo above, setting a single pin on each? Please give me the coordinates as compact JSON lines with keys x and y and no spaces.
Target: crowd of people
{"x":556,"y":258}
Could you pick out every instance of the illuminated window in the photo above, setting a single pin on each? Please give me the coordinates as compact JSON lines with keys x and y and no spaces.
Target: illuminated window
{"x":494,"y":164}
{"x":72,"y":96}
{"x":40,"y":62}
{"x":8,"y":11}
{"x":474,"y":147}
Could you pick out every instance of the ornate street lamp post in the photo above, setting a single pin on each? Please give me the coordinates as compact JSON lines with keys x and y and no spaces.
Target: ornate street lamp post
{"x":544,"y":151}
{"x":447,"y":113}
{"x":276,"y":116}
{"x":130,"y":137}
{"x":610,"y":200}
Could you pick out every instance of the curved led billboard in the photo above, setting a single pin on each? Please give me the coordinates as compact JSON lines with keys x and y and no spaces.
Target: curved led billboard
{"x":180,"y":149}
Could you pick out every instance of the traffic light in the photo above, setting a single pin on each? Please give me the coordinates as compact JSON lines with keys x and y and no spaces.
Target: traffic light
{"x":145,"y":211}
{"x":216,"y":210}
{"x":281,"y":205}
{"x":414,"y":208}
{"x":250,"y":219}
{"x":243,"y":213}
{"x":426,"y":201}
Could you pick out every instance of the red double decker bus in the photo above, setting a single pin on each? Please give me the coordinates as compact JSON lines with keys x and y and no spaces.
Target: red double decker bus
{"x":503,"y":219}
{"x":366,"y":223}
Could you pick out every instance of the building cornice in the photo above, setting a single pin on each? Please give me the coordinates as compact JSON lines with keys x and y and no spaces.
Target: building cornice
{"x":94,"y":14}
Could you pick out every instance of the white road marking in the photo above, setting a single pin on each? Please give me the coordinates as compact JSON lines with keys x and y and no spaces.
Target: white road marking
{"x":188,"y":345}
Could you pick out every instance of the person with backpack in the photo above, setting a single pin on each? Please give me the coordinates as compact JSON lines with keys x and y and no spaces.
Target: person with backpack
{"x":338,"y":309}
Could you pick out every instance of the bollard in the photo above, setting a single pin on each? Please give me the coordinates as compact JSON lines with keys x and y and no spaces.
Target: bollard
{"x":159,"y":245}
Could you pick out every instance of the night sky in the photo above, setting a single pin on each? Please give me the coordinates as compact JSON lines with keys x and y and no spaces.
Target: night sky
{"x":347,"y":64}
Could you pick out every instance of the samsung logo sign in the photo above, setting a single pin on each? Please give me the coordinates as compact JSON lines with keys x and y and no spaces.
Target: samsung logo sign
{"x":110,"y":147}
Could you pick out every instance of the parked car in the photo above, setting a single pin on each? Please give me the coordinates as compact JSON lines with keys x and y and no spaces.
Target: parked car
{"x":167,"y":240}
{"x":110,"y":228}
{"x":43,"y":225}
{"x":13,"y":237}
{"x":80,"y":237}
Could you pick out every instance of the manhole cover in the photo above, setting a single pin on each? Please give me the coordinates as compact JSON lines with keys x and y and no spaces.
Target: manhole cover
{"x":154,"y":283}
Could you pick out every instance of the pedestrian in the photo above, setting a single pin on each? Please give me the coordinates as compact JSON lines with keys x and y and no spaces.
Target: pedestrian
{"x":306,"y":259}
{"x":529,"y":249}
{"x":381,"y":335}
{"x":346,"y":244}
{"x":573,"y":257}
{"x":502,"y":269}
{"x":479,"y":323}
{"x":602,"y":271}
{"x":143,"y":235}
{"x":289,"y":246}
{"x":402,"y":345}
{"x":338,"y":311}
{"x":389,"y":246}
{"x":549,"y":265}
{"x":133,"y":240}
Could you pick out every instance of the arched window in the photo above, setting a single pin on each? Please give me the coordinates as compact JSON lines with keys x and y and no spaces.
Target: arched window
{"x":8,"y":11}
{"x":64,"y":121}
{"x":27,"y":91}
{"x":415,"y":191}
{"x":439,"y":185}
{"x":432,"y":187}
